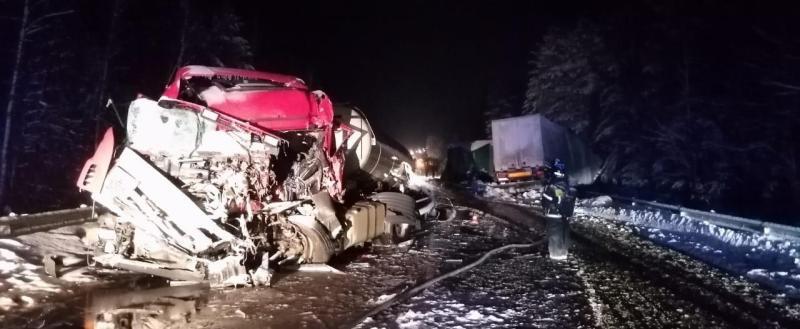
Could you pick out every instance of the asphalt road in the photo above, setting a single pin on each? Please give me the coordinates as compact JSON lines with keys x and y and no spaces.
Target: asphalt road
{"x":613,"y":279}
{"x":634,"y":283}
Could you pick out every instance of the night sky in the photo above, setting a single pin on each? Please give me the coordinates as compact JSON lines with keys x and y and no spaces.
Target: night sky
{"x":426,"y":64}
{"x":421,"y":66}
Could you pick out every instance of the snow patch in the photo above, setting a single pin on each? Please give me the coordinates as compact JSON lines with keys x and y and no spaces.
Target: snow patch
{"x":760,"y":257}
{"x":470,"y":317}
{"x":600,"y":201}
{"x":597,"y":308}
{"x":6,"y":303}
{"x":9,"y":261}
{"x":12,"y":243}
{"x":380,"y":299}
{"x":410,"y":320}
{"x":20,"y":275}
{"x":31,"y":283}
{"x":523,"y":195}
{"x":757,"y":273}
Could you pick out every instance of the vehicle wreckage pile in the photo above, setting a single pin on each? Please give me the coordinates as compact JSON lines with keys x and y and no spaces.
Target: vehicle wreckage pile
{"x":233,"y":172}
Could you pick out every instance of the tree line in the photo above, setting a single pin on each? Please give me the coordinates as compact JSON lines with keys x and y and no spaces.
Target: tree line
{"x":66,"y":59}
{"x":697,"y":110}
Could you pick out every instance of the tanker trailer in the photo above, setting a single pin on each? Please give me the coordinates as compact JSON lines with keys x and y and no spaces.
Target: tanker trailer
{"x":372,"y":155}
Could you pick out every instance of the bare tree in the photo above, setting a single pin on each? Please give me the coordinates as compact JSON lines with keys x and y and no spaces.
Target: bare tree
{"x":4,"y":151}
{"x":185,"y":7}
{"x":27,"y":27}
{"x":108,"y":52}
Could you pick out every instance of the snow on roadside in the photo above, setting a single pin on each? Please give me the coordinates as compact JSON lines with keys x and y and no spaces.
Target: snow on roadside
{"x":450,"y":314}
{"x":410,"y":319}
{"x":7,"y":303}
{"x":380,"y":299}
{"x":22,"y":275}
{"x":67,"y":243}
{"x":19,"y":274}
{"x":525,"y":195}
{"x":770,"y":261}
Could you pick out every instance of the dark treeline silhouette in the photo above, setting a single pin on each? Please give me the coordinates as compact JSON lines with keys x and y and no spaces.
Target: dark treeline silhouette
{"x":64,"y":59}
{"x":684,"y":105}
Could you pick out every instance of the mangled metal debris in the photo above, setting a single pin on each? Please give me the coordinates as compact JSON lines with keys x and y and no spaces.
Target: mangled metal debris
{"x":231,"y":173}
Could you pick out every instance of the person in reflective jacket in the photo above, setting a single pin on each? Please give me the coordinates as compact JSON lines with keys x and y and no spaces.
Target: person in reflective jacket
{"x":557,"y":205}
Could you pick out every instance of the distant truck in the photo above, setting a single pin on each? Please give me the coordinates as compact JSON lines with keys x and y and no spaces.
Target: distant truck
{"x":482,"y":155}
{"x":522,"y":147}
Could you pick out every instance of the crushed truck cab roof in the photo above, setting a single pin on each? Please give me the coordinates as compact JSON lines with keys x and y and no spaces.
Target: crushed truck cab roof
{"x":268,"y":100}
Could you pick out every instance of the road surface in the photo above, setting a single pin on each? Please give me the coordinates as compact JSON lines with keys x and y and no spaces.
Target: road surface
{"x":613,"y":279}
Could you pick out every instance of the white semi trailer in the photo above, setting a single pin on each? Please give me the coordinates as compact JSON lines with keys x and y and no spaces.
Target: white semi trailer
{"x":523,"y":146}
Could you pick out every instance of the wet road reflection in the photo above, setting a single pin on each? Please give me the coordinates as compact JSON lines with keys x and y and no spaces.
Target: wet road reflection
{"x":130,"y":302}
{"x":315,"y":297}
{"x":164,"y":307}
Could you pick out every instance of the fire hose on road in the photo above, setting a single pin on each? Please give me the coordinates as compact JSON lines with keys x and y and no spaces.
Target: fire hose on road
{"x":412,"y":291}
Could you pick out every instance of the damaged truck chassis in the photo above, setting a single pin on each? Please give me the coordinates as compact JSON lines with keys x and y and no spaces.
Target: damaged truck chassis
{"x":229,"y":174}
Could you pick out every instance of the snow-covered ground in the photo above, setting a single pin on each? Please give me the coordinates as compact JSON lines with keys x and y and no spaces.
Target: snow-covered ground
{"x":615,"y":277}
{"x":768,"y":260}
{"x":496,"y":294}
{"x":518,"y":288}
{"x":765,"y":259}
{"x":635,"y":262}
{"x":23,"y":281}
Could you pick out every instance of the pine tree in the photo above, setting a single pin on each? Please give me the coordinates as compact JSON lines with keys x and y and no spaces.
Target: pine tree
{"x":569,"y":79}
{"x":213,"y":37}
{"x":499,"y":107}
{"x":574,"y":81}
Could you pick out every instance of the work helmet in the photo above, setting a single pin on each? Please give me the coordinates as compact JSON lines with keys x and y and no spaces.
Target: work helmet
{"x":559,"y":165}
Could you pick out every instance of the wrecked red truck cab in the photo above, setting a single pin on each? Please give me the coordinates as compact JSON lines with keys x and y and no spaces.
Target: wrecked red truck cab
{"x":228,"y":172}
{"x":267,"y":100}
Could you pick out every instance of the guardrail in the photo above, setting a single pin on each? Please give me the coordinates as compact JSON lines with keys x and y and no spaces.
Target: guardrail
{"x":25,"y":224}
{"x":727,"y":221}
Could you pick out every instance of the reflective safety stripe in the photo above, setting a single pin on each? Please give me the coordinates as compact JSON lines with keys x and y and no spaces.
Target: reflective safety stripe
{"x":519,"y":174}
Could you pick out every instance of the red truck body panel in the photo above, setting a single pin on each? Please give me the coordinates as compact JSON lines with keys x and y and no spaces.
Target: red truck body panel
{"x":95,"y":169}
{"x":222,"y":170}
{"x":288,"y":106}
